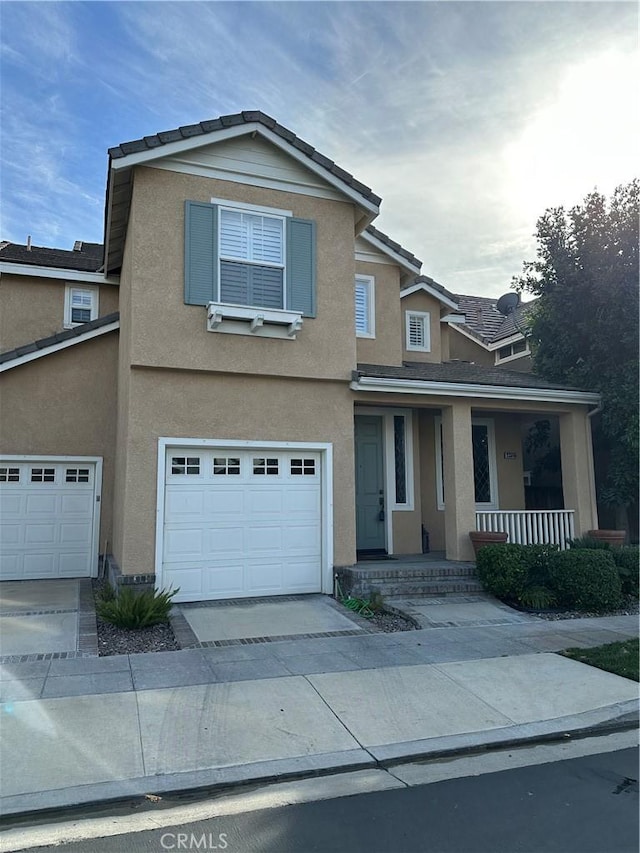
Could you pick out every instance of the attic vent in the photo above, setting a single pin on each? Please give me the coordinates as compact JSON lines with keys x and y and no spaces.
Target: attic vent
{"x":77,"y":246}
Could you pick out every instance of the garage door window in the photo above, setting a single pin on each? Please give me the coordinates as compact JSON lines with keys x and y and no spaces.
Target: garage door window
{"x":77,"y":475}
{"x":303,"y":466}
{"x":9,"y":475}
{"x":223,"y":465}
{"x":43,"y":475}
{"x":185,"y":465}
{"x":265,"y":466}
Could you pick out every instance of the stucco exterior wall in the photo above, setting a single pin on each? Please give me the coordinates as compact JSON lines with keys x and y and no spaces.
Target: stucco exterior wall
{"x":432,"y":517}
{"x":510,"y":471}
{"x":462,"y":348}
{"x":386,"y":347}
{"x":325,"y":347}
{"x":45,"y":315}
{"x":421,"y":301}
{"x":195,"y":405}
{"x":64,"y":404}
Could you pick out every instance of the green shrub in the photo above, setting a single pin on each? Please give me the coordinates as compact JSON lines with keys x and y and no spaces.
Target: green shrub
{"x":627,"y":560}
{"x":501,"y":570}
{"x":538,"y":598}
{"x":136,"y":609}
{"x":536,"y":560}
{"x":586,"y":580}
{"x":589,"y":543}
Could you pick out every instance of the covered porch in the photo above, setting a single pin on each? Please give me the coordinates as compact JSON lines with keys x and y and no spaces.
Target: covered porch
{"x":436,"y":460}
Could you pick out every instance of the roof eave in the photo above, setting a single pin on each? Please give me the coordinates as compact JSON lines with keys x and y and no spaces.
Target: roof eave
{"x":432,"y":388}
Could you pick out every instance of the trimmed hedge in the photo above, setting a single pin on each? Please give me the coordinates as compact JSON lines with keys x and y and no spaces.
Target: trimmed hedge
{"x":509,"y":571}
{"x":627,"y":559}
{"x":586,"y":580}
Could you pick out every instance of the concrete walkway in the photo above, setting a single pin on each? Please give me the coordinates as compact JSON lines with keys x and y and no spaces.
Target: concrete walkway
{"x":89,"y":729}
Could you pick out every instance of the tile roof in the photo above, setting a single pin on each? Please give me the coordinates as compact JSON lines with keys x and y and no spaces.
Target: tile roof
{"x":485,"y":321}
{"x":59,"y":337}
{"x":88,"y":259}
{"x":396,"y":247}
{"x":458,"y":371}
{"x":425,"y":279}
{"x":150,"y":143}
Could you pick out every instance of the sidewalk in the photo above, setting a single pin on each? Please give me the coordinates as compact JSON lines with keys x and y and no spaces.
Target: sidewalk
{"x":91,"y":729}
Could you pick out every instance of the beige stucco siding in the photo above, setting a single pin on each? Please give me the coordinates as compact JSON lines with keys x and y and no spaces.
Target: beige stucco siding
{"x":325,"y":347}
{"x":464,"y":349}
{"x":64,"y":404}
{"x":407,"y":524}
{"x":386,"y":347}
{"x":45,"y":314}
{"x":432,"y":517}
{"x":195,"y":405}
{"x":421,"y":301}
{"x":509,"y":471}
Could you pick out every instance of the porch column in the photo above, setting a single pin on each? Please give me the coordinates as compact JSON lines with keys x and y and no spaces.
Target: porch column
{"x":459,"y":493}
{"x":578,"y":480}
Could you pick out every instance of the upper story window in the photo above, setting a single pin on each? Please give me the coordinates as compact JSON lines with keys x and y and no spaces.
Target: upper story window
{"x":365,"y":306}
{"x":511,"y":351}
{"x":80,"y":305}
{"x":252,"y":253}
{"x":240,"y":254}
{"x":417,"y":331}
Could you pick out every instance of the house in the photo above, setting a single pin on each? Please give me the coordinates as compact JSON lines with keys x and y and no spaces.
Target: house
{"x":248,"y":384}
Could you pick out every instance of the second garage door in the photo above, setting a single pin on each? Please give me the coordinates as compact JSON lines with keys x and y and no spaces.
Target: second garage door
{"x":241,"y":523}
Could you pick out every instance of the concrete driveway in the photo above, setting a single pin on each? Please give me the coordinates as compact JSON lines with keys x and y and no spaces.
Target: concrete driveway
{"x":45,"y":619}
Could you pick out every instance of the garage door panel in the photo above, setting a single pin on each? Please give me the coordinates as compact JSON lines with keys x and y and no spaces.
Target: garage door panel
{"x":75,"y":534}
{"x":44,"y":565}
{"x":11,"y":534}
{"x":72,"y":564}
{"x":45,"y":504}
{"x":11,"y":504}
{"x":77,"y":504}
{"x":260,"y":530}
{"x":40,"y":534}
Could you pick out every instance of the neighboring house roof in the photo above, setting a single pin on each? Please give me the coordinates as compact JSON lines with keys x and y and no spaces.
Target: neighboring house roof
{"x":61,"y":340}
{"x":203,"y":128}
{"x":486,"y":323}
{"x":424,"y":282}
{"x":464,"y":379}
{"x":87,"y":258}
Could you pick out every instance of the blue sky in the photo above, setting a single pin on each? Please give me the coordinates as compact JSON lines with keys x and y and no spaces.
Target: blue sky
{"x":469,"y":119}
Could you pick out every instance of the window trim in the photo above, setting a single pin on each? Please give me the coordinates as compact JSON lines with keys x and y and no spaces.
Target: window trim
{"x":256,"y":210}
{"x":494,"y":504}
{"x":370,"y":284}
{"x":425,"y":317}
{"x":93,"y":289}
{"x":513,"y":356}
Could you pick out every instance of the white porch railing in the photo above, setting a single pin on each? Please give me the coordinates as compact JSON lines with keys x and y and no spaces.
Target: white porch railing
{"x":530,"y":527}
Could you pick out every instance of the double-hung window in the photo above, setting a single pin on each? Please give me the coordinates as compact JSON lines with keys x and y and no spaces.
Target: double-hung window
{"x":252,"y":254}
{"x":365,"y":306}
{"x":80,"y":305}
{"x":239,"y":254}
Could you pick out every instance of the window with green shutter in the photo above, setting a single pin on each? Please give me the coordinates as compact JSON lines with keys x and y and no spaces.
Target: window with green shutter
{"x":237,"y":254}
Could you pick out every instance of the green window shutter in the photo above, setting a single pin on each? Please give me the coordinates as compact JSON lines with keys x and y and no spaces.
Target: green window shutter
{"x":301,"y":266}
{"x":200,"y":253}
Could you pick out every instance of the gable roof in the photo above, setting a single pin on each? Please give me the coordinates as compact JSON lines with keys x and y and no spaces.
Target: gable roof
{"x":424,"y":282}
{"x":61,"y":340}
{"x":123,"y":157}
{"x":88,"y":258}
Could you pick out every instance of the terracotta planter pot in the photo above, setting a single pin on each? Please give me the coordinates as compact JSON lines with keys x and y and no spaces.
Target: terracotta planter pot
{"x":615,"y":538}
{"x":480,"y":538}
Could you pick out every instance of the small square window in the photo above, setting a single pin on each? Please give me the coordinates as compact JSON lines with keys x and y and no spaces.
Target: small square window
{"x":226,"y":465}
{"x":185,"y":465}
{"x":77,"y":475}
{"x":303,"y":466}
{"x":9,"y":475}
{"x":80,"y":305}
{"x":265,"y":466}
{"x":43,"y":475}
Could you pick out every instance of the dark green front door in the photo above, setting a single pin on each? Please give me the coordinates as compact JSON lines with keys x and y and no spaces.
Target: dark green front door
{"x":370,"y":501}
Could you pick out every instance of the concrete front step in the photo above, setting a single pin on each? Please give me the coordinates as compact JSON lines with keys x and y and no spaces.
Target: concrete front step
{"x":425,"y":580}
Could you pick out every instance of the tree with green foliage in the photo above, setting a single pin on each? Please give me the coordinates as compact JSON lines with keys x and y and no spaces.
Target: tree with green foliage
{"x":584,"y":325}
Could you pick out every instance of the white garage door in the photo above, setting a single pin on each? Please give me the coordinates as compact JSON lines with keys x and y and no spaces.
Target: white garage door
{"x":47,"y":519}
{"x":241,"y":523}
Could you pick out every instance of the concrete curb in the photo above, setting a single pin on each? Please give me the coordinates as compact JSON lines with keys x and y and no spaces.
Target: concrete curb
{"x":620,"y":716}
